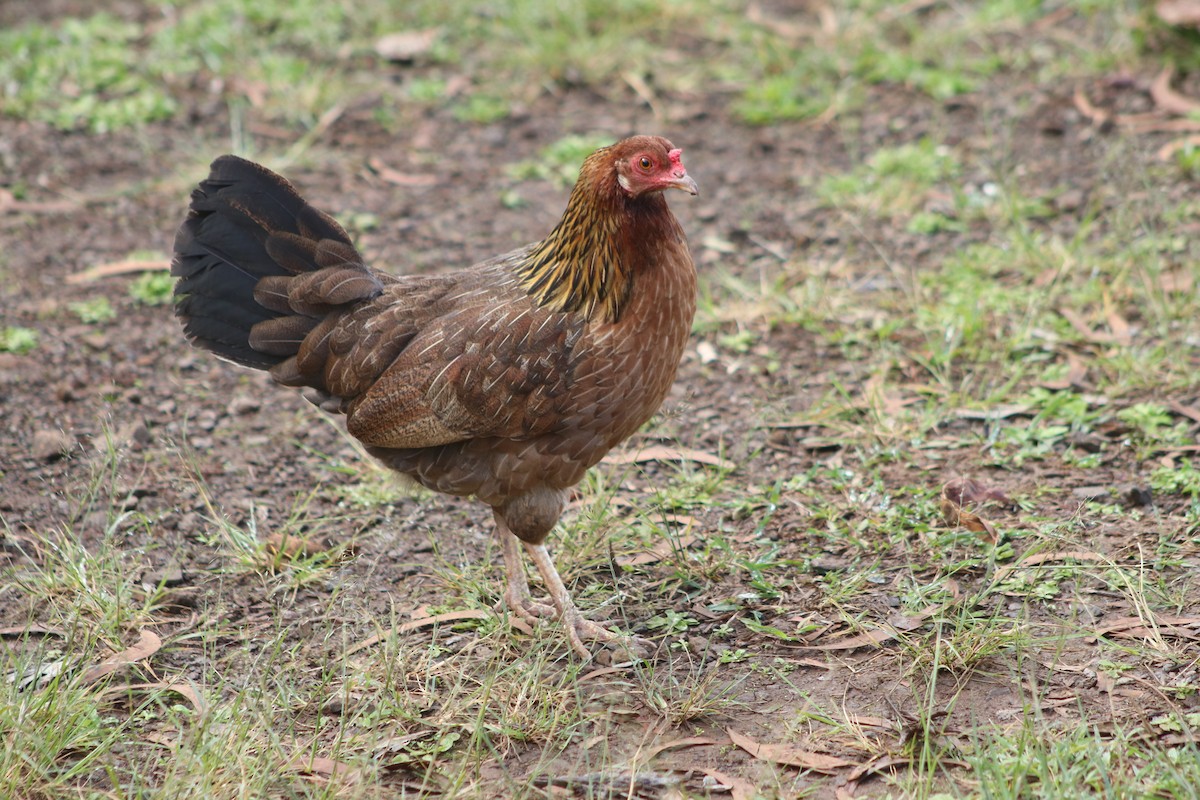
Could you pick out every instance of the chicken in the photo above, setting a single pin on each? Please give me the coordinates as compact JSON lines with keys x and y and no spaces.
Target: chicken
{"x":504,"y":381}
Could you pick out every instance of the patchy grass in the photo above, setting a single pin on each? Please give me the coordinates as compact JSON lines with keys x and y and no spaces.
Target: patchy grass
{"x":959,"y":298}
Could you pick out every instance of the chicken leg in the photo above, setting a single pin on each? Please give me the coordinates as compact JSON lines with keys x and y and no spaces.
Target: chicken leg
{"x":521,"y":602}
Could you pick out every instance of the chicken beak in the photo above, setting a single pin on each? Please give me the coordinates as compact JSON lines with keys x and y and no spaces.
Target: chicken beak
{"x":684,"y":183}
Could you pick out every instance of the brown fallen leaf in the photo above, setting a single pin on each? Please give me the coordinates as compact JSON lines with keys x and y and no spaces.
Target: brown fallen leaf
{"x":185,"y":690}
{"x":1154,"y":123}
{"x":1044,"y":557}
{"x":668,"y":454}
{"x":961,"y":491}
{"x":995,"y":413}
{"x":1121,"y":332}
{"x":147,"y":645}
{"x":406,"y":46}
{"x":30,"y":630}
{"x":1168,"y":151}
{"x":412,"y":625}
{"x":1191,"y":412}
{"x":118,"y":268}
{"x":1178,"y":12}
{"x":602,"y":672}
{"x":1084,"y":329}
{"x":875,"y":765}
{"x":1099,"y":117}
{"x":320,"y":766}
{"x":872,"y":722}
{"x":956,"y":517}
{"x":1167,"y":99}
{"x":738,"y":788}
{"x":788,"y":754}
{"x":970,"y":492}
{"x":291,"y":547}
{"x":9,"y":203}
{"x":663,"y":548}
{"x":876,"y":637}
{"x":395,"y":176}
{"x":679,"y":744}
{"x":1139,"y":627}
{"x":1076,"y":377}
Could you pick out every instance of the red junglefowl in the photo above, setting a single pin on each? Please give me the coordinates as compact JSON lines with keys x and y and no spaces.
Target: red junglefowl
{"x":505,"y":381}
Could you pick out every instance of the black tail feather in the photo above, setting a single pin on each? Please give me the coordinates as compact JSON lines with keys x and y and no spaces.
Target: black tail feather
{"x":245,"y":224}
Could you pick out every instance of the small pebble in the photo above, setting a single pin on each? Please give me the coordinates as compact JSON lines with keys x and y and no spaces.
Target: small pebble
{"x":51,"y":444}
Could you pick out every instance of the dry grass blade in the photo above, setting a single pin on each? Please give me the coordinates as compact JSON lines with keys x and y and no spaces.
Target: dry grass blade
{"x":118,"y":268}
{"x":416,"y":624}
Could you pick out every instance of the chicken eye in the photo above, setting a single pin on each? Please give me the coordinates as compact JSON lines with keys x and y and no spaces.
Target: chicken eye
{"x":645,"y":163}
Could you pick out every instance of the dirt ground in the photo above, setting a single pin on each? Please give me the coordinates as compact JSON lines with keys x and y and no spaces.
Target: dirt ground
{"x":175,"y":414}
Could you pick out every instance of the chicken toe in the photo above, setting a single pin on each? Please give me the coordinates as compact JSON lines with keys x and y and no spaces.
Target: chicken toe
{"x":579,"y":629}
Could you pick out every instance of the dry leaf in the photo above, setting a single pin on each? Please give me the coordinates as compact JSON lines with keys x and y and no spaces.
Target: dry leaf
{"x":1191,"y":412}
{"x":679,"y":744}
{"x":1168,"y":99}
{"x":738,"y":788}
{"x":9,"y":202}
{"x":321,"y":766}
{"x":292,"y":547}
{"x":662,"y":549}
{"x":146,"y":646}
{"x":1140,"y":628}
{"x":667,"y":454}
{"x":602,"y":672}
{"x":1098,"y":116}
{"x":872,"y":722}
{"x":31,"y":630}
{"x":397,"y":177}
{"x":1083,"y":329}
{"x":960,"y":491}
{"x":878,"y":764}
{"x":788,"y":754}
{"x":185,"y":690}
{"x":996,"y":413}
{"x":1178,"y":12}
{"x":1075,"y":378}
{"x":1178,"y":281}
{"x":970,"y":492}
{"x":1042,"y":558}
{"x":878,"y":636}
{"x":1166,"y":153}
{"x":406,"y":45}
{"x":1121,"y":332}
{"x":118,"y":268}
